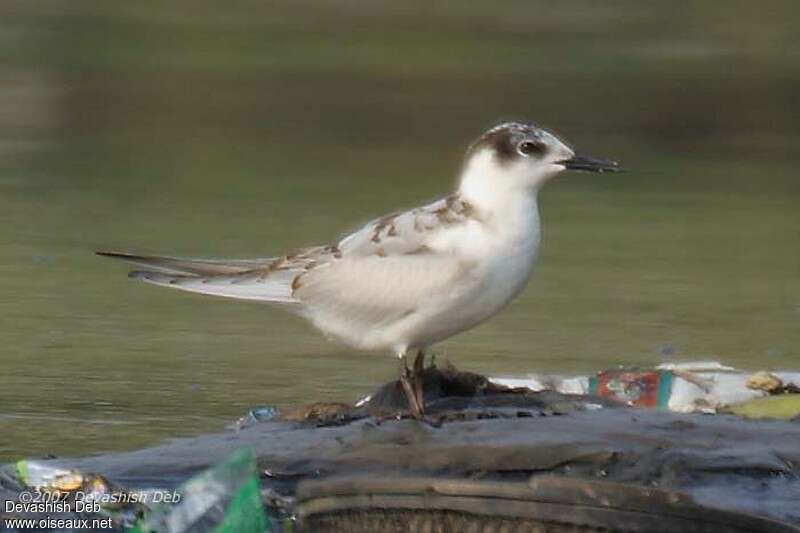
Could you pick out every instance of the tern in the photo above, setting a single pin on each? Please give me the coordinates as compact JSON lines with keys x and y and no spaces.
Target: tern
{"x":413,"y":278}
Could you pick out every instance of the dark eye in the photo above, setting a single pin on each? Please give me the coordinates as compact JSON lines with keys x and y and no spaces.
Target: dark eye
{"x":530,"y":148}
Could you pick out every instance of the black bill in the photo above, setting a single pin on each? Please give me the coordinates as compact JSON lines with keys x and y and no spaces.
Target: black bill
{"x":590,"y":164}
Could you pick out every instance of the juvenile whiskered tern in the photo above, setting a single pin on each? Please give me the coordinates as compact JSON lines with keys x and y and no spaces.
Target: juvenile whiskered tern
{"x":407,"y":280}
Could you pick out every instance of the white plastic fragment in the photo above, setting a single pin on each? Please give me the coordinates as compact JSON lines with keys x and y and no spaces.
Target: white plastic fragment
{"x":697,"y":386}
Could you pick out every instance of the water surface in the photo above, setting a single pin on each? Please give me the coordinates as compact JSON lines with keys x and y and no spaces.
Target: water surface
{"x":189,"y":129}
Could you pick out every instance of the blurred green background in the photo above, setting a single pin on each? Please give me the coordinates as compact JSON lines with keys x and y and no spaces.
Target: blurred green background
{"x":245,"y":129}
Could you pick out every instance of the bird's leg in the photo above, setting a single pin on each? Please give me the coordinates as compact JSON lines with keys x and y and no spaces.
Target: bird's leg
{"x":418,"y":383}
{"x":408,"y":389}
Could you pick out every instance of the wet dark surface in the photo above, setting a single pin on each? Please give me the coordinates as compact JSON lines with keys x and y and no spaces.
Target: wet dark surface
{"x":721,"y":460}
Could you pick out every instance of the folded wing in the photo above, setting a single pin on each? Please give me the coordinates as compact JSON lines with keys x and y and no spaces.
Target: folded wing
{"x":387,"y":267}
{"x":372,"y":291}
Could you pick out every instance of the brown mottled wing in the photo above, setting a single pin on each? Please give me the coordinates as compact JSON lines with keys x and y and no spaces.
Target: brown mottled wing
{"x":406,"y":233}
{"x":386,"y":270}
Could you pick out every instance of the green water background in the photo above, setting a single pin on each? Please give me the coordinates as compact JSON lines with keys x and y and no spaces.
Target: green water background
{"x":246,"y":129}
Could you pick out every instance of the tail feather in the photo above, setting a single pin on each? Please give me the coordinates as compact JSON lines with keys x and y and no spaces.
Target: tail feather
{"x":244,"y":279}
{"x":274,"y":288}
{"x":196,"y":267}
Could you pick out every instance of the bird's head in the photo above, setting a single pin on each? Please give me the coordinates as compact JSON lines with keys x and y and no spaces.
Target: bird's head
{"x":515,"y":157}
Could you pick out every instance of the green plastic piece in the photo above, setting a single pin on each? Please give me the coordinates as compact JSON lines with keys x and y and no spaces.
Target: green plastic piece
{"x":22,"y":471}
{"x":245,"y":512}
{"x":224,"y":499}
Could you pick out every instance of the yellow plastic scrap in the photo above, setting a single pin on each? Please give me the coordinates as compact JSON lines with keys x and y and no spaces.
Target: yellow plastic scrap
{"x":784,"y":407}
{"x":764,"y":381}
{"x":43,"y":477}
{"x":68,"y":482}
